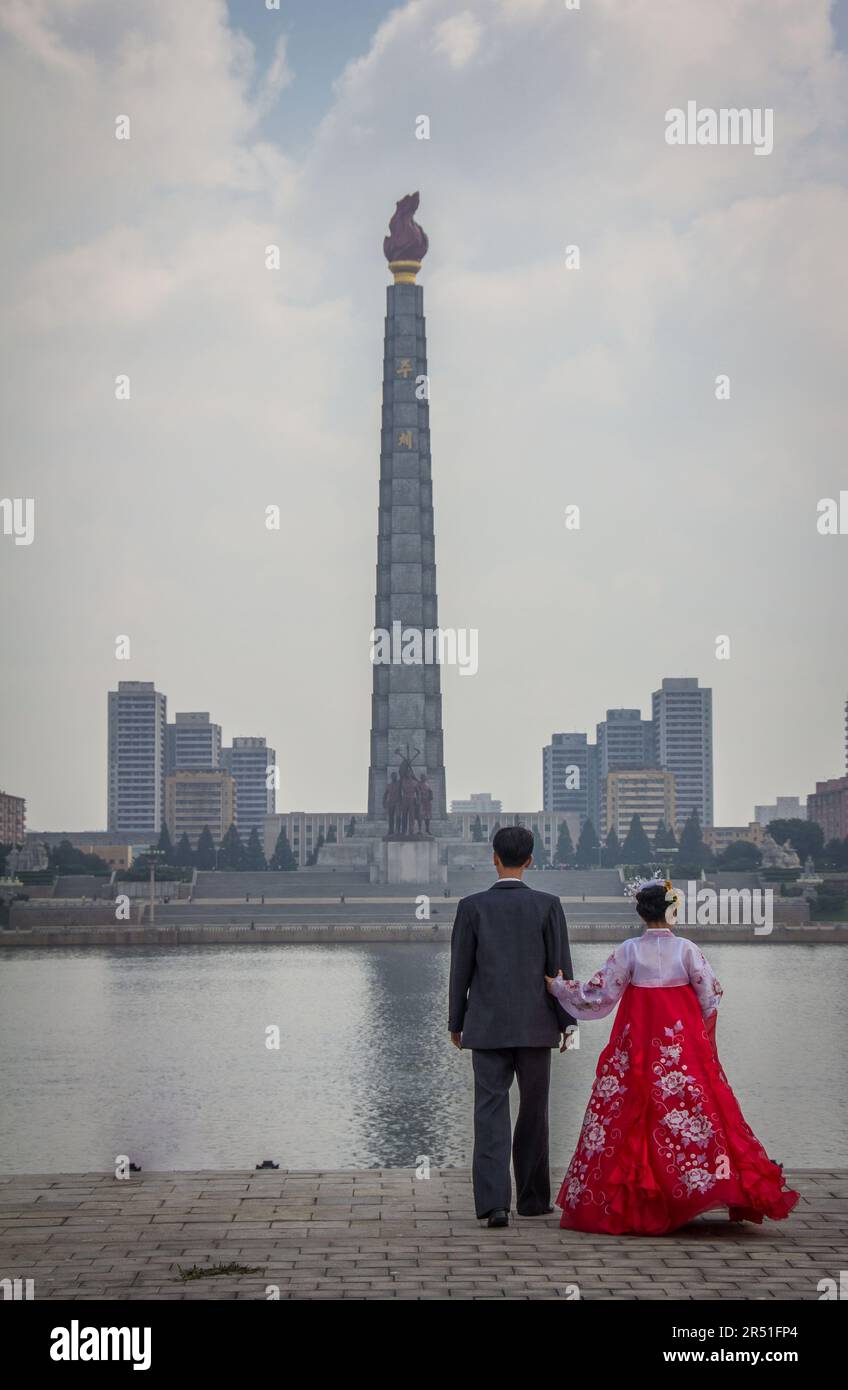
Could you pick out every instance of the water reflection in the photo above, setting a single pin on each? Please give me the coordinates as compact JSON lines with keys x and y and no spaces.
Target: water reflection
{"x":161,"y":1054}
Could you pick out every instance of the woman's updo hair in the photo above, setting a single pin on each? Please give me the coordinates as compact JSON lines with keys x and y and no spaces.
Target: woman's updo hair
{"x":651,"y":903}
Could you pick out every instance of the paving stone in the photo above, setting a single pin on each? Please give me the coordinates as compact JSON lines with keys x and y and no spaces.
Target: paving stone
{"x":381,"y":1235}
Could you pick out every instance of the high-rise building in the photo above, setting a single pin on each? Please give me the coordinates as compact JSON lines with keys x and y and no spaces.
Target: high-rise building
{"x":196,"y":799}
{"x":12,"y":819}
{"x":784,"y":808}
{"x":827,"y":806}
{"x":567,"y":768}
{"x":683,"y":733}
{"x":136,"y":760}
{"x":624,"y":740}
{"x":252,"y":765}
{"x":646,"y":792}
{"x":192,"y":741}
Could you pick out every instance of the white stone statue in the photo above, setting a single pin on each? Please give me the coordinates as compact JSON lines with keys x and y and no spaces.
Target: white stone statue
{"x":777,"y":856}
{"x":28,"y":858}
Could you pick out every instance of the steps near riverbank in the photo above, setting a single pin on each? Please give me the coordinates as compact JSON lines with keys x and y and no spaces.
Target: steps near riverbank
{"x":217,"y":886}
{"x":268,"y":934}
{"x":387,"y":1234}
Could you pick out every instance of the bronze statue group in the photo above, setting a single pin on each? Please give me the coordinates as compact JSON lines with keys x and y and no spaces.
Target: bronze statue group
{"x":408,"y":801}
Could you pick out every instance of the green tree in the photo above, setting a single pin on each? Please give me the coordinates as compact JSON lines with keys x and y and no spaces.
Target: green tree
{"x":611,"y":855}
{"x":637,"y":847}
{"x":204,"y":855}
{"x":312,"y":857}
{"x":586,"y":854}
{"x":231,"y":852}
{"x":64,"y":858}
{"x":350,"y":827}
{"x":164,"y":846}
{"x":331,"y":835}
{"x":184,"y":854}
{"x":477,"y":832}
{"x":693,"y":853}
{"x":282,"y":860}
{"x":540,"y":853}
{"x":835,"y":854}
{"x":742,"y":854}
{"x":254,"y":858}
{"x":564,"y":852}
{"x":665,"y":837}
{"x":805,"y":836}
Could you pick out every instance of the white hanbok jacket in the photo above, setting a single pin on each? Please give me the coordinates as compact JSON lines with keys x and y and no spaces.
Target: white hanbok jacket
{"x":655,"y":960}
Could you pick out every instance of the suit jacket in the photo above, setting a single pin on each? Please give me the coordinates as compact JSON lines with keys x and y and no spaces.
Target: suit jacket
{"x":505,"y":940}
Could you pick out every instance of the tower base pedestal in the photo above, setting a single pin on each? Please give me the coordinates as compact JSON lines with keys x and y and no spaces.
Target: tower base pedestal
{"x":420,"y":860}
{"x":409,"y":862}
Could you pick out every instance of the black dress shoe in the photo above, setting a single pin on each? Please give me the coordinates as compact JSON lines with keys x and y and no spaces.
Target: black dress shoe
{"x":498,"y":1218}
{"x":546,"y":1211}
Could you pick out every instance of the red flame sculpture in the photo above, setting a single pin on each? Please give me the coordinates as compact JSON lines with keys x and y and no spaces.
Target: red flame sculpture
{"x":406,"y":241}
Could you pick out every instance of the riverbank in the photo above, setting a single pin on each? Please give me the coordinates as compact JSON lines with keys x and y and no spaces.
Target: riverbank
{"x":265,"y":934}
{"x":385,"y":1234}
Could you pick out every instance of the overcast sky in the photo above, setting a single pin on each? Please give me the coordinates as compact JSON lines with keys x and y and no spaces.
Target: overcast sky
{"x":550,"y":386}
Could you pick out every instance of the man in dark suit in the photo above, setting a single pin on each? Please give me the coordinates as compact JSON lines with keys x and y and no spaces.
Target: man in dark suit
{"x":504,"y":942}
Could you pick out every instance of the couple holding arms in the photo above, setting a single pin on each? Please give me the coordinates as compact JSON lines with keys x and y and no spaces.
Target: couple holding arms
{"x":663,"y":1138}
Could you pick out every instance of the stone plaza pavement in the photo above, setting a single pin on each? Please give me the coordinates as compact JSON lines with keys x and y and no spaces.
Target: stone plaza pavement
{"x":385,"y":1235}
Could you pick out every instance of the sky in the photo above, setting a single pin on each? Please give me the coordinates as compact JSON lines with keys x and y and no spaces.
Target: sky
{"x":551,"y":386}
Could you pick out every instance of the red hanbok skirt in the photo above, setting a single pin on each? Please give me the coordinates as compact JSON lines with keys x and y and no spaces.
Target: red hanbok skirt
{"x":663,"y":1139}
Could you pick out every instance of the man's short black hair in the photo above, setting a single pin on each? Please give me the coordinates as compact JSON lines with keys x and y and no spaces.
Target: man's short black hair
{"x":513,"y":844}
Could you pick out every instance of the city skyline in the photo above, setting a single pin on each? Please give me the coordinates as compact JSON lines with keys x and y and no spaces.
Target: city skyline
{"x":202,"y":732}
{"x":552,"y":387}
{"x":180,"y":772}
{"x":677,"y":738}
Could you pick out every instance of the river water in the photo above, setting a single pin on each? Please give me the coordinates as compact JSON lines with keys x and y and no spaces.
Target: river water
{"x":160,"y":1053}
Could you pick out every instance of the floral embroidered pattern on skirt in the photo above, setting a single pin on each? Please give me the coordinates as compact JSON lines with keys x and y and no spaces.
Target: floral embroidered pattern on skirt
{"x":663,"y":1137}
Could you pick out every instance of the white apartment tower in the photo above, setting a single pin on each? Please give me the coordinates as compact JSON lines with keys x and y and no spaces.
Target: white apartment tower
{"x":136,"y":760}
{"x":683,"y":734}
{"x":252,"y":764}
{"x":193,"y":743}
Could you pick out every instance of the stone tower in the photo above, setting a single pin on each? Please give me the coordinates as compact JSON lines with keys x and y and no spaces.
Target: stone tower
{"x":406,"y":705}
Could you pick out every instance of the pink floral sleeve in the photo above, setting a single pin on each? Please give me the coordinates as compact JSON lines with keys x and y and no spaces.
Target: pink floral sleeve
{"x":702,"y":979}
{"x":598,"y":996}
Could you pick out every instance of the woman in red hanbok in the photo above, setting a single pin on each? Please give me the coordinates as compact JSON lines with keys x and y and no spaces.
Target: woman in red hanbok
{"x":663,"y":1138}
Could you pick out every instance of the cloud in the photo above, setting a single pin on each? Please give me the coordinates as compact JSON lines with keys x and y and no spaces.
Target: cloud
{"x":29,"y":23}
{"x":549,"y":386}
{"x":277,"y":77}
{"x":458,"y":38}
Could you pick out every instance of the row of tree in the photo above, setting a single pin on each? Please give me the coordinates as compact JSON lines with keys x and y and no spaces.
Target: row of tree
{"x":64,"y":859}
{"x":636,"y":849}
{"x":689,"y":854}
{"x":232,"y":854}
{"x":173,"y":861}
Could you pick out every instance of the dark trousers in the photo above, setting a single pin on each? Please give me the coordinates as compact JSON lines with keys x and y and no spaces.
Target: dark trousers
{"x":494,"y":1070}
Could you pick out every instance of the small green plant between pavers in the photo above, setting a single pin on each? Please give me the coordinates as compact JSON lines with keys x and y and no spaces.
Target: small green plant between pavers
{"x":210,"y":1271}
